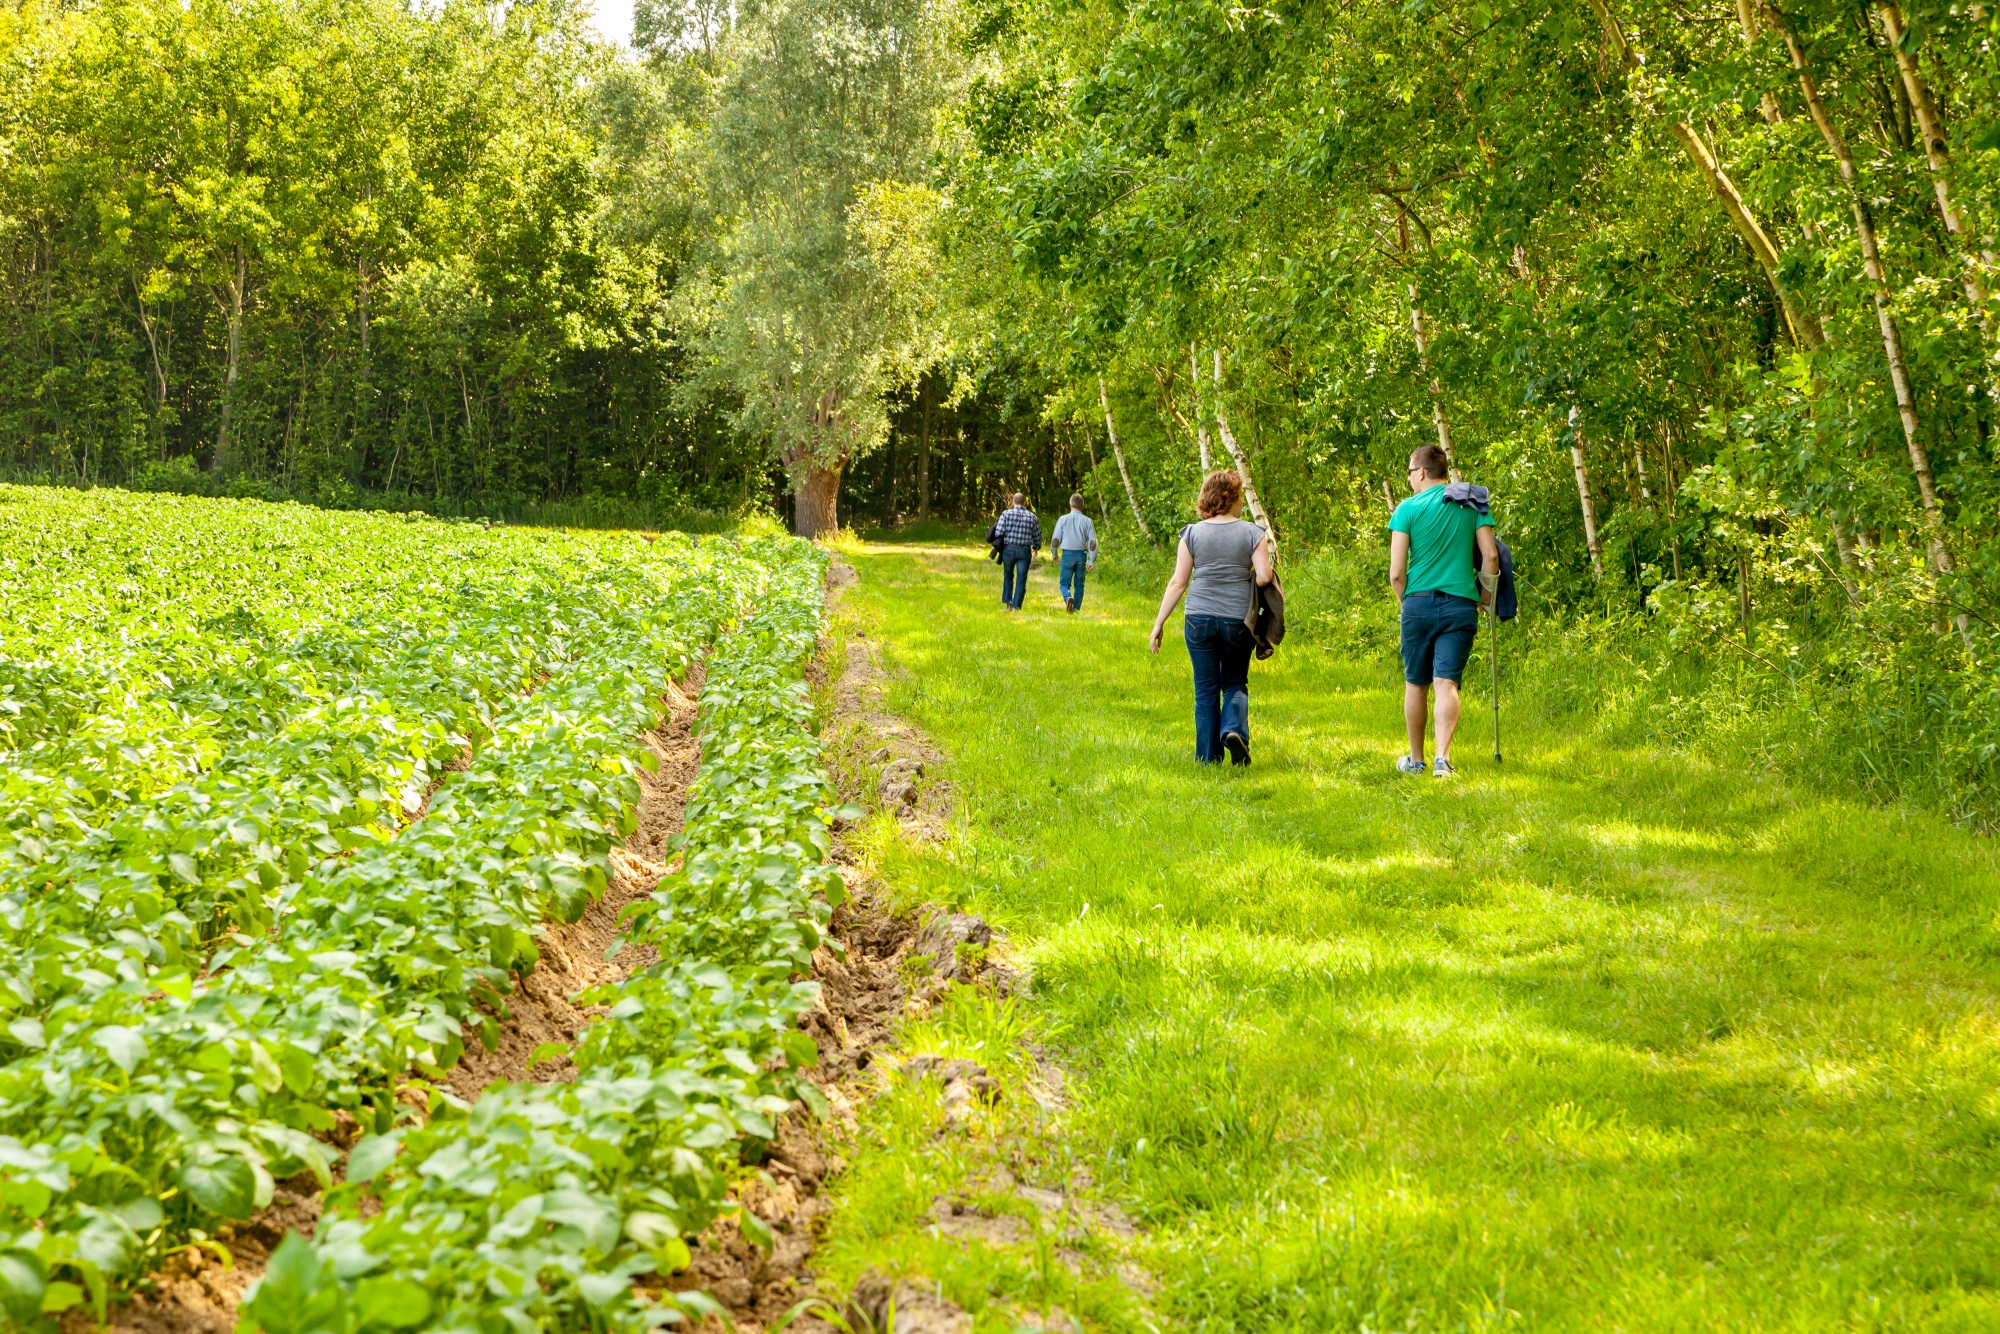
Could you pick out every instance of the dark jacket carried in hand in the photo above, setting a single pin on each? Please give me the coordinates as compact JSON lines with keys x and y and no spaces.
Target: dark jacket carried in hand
{"x":1479,"y":499}
{"x":1266,"y":621}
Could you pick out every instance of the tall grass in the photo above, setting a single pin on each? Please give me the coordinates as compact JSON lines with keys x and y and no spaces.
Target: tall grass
{"x":1604,"y":1037}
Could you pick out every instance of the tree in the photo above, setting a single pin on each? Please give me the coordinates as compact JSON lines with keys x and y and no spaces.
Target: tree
{"x":823,"y":123}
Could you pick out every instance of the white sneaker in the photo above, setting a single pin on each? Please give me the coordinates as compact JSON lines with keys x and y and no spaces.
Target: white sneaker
{"x":1409,"y":768}
{"x":1444,"y":768}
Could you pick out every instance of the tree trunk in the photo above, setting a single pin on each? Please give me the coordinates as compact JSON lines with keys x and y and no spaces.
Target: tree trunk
{"x":1746,"y":18}
{"x":1843,"y":544}
{"x":1117,"y":452}
{"x":1583,"y":493}
{"x":1937,"y":152}
{"x":159,"y":370}
{"x":1804,"y":326}
{"x":924,"y":449}
{"x":1200,"y":421}
{"x":817,"y":512}
{"x":1871,"y":259}
{"x":1418,"y":329}
{"x":235,"y":291}
{"x":1235,"y":454}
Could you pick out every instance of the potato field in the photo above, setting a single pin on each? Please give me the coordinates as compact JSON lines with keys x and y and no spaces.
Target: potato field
{"x":287,"y":795}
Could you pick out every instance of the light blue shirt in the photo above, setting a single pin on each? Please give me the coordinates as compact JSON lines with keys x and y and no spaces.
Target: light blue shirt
{"x":1074,"y":532}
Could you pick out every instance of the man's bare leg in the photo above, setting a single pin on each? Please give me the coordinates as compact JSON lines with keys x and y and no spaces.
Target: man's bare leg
{"x":1414,"y":700}
{"x":1447,"y":714}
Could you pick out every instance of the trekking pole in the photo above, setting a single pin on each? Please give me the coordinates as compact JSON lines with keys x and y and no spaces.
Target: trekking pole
{"x":1494,"y":617}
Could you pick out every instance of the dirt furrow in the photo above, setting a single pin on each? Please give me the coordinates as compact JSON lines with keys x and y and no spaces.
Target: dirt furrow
{"x":198,"y":1289}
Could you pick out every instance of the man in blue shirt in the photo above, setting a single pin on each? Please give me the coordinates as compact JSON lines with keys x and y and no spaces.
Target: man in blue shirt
{"x":1075,"y":545}
{"x":1443,"y":563}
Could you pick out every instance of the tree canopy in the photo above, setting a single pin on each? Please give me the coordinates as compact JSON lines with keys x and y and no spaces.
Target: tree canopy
{"x":1703,"y":291}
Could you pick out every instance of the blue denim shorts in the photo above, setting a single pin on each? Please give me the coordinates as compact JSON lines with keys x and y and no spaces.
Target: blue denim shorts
{"x":1437,"y":636}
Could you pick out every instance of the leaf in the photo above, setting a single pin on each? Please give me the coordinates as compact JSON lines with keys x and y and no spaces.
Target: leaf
{"x":548,"y":1051}
{"x":594,"y":1217}
{"x":22,"y":1287}
{"x":800,"y":1050}
{"x":372,"y":1154}
{"x":223,"y":1184}
{"x":59,"y":1297}
{"x":296,"y":1067}
{"x":184,"y":868}
{"x":264,"y":1071}
{"x":297,"y":1295}
{"x":28,"y":1032}
{"x":124,"y":1045}
{"x":141,"y":1213}
{"x":393,"y":1303}
{"x":754,"y":1229}
{"x":815,"y":1101}
{"x":652,"y":1230}
{"x":31,"y":1198}
{"x":600,"y":1290}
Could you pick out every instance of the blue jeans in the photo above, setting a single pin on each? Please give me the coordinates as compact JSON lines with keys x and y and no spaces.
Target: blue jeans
{"x":1014,"y":573}
{"x":1220,"y":649}
{"x":1070,"y":580}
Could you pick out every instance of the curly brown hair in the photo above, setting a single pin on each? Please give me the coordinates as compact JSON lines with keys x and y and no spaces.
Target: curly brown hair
{"x":1219,"y":493}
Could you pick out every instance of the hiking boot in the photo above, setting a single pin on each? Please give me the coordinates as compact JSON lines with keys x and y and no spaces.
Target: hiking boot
{"x":1068,"y":605}
{"x":1444,"y":768}
{"x":1238,"y":748}
{"x":1409,"y":768}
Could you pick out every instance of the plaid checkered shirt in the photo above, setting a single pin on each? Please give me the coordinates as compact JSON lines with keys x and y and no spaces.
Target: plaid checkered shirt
{"x":1020,"y":528}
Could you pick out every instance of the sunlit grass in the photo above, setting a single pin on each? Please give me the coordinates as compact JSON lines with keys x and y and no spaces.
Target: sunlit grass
{"x":1589,"y":1040}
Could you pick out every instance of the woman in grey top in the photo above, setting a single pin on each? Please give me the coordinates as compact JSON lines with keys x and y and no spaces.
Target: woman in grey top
{"x":1221,"y":560}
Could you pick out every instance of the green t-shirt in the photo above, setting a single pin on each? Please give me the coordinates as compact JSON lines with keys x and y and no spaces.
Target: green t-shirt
{"x":1444,"y":553}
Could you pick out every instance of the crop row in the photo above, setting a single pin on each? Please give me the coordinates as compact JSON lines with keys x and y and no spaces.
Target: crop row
{"x":172,"y":779}
{"x":546,"y":1207}
{"x":165,"y":1062}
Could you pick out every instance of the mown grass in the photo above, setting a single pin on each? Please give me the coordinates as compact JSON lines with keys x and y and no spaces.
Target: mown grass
{"x":1597,"y":1039}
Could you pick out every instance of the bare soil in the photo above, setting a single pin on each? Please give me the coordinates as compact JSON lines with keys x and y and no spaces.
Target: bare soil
{"x":882,"y":760}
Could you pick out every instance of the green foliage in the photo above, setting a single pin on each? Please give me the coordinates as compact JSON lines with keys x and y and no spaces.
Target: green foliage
{"x":816,"y":299}
{"x":1393,"y":214}
{"x":538,"y":1205}
{"x":328,"y":244}
{"x":243,"y":891}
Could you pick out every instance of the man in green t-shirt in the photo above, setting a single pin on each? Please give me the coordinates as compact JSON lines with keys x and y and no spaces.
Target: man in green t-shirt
{"x":1443,"y":564}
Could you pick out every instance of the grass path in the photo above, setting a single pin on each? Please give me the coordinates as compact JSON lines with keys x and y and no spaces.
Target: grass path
{"x":1597,"y":1040}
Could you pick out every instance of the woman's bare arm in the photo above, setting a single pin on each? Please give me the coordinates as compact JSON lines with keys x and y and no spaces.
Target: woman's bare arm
{"x":1260,"y":560}
{"x":1183,"y":571}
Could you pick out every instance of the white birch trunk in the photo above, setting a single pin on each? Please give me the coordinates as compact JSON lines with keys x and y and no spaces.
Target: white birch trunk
{"x":1200,"y":422}
{"x":1118,"y":452}
{"x":1437,"y":390}
{"x":1892,"y":336}
{"x":1937,"y":152}
{"x":1583,"y":493}
{"x":1235,"y":454}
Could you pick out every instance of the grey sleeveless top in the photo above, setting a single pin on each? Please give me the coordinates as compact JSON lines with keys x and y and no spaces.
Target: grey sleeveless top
{"x":1223,"y":575}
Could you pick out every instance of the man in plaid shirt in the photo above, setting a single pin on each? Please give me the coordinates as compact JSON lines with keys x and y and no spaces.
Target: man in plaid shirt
{"x":1020,"y":535}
